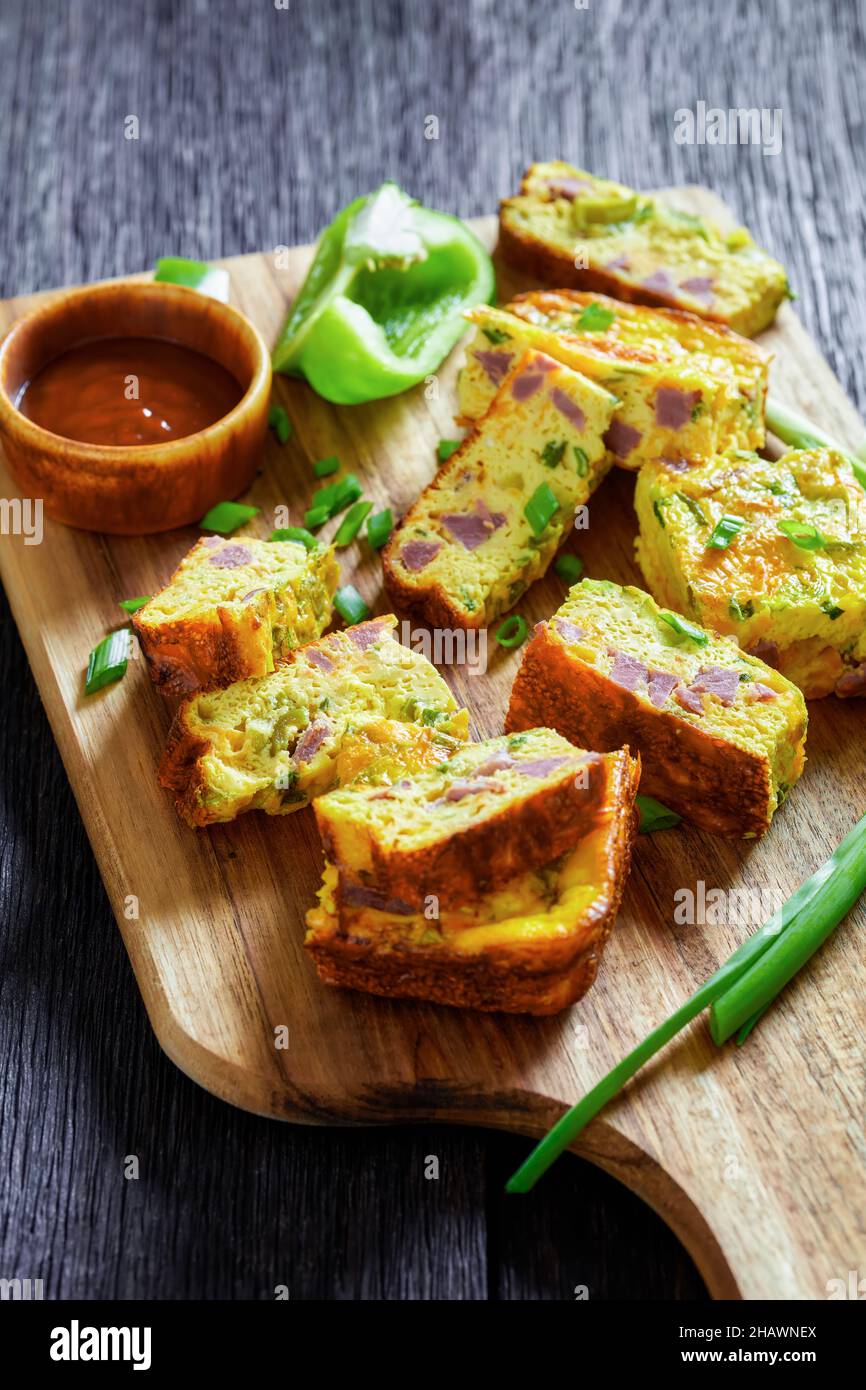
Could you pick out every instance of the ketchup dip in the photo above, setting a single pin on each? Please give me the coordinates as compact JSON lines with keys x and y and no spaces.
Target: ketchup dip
{"x":129,"y":391}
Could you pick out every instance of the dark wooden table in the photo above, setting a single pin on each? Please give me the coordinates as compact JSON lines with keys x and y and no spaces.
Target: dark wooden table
{"x":255,"y":125}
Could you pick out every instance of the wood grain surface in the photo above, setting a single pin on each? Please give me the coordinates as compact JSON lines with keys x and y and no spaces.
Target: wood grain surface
{"x":213,"y":921}
{"x":255,"y":127}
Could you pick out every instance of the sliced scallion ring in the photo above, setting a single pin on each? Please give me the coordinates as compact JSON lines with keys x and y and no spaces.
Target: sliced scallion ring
{"x":279,"y":422}
{"x":379,"y":528}
{"x":196,"y":275}
{"x":352,"y":523}
{"x":655,"y":816}
{"x":802,"y":533}
{"x":512,"y":632}
{"x":316,"y":517}
{"x":724,"y":531}
{"x":569,"y":568}
{"x":685,"y":628}
{"x":323,"y":468}
{"x":446,"y":447}
{"x":107,"y":661}
{"x":595,"y":319}
{"x":336,"y":496}
{"x":350,"y":605}
{"x":294,"y":533}
{"x":226,"y":517}
{"x":541,"y":508}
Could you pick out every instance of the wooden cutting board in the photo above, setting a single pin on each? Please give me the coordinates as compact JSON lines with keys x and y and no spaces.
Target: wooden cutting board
{"x":754,"y":1156}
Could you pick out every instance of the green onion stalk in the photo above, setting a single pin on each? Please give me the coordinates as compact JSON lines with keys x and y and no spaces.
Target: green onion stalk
{"x":794,"y":430}
{"x":737,"y":994}
{"x":797,"y":929}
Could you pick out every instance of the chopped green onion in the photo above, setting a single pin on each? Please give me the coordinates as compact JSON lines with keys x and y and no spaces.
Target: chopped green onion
{"x":655,"y":816}
{"x":724,"y":531}
{"x":226,"y":517}
{"x":689,"y":219}
{"x":581,"y":461}
{"x":107,"y":661}
{"x":496,"y":335}
{"x":325,"y":467}
{"x":325,"y":496}
{"x":802,"y":533}
{"x":316,"y":517}
{"x":379,"y":528}
{"x":348,"y":491}
{"x":352,"y":523}
{"x":512,"y":632}
{"x":685,"y":628}
{"x":132,"y":605}
{"x":740,"y":612}
{"x":294,"y":533}
{"x":595,"y":319}
{"x":336,"y":496}
{"x":569,"y":568}
{"x":447,"y":447}
{"x":196,"y":275}
{"x":694,"y":507}
{"x":832,"y":609}
{"x":792,"y":429}
{"x":350,"y":606}
{"x":541,"y":508}
{"x":836,"y":887}
{"x":279,"y":422}
{"x":551,"y":454}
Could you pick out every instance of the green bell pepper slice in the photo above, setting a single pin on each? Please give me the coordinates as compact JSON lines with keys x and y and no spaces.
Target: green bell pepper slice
{"x":383,"y":302}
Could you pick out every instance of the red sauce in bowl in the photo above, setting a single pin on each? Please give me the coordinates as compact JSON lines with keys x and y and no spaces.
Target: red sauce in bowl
{"x":128,"y":391}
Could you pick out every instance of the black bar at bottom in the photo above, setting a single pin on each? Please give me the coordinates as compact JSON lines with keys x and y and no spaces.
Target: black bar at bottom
{"x":167,"y":1339}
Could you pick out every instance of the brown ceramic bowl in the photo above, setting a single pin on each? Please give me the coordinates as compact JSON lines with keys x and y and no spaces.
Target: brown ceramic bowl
{"x":150,"y":487}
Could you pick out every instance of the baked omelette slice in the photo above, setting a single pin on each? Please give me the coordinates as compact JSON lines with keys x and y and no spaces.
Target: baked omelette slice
{"x":232,"y":609}
{"x":495,"y":514}
{"x":494,"y":810}
{"x":532,"y":944}
{"x":354,"y":704}
{"x":683,"y":386}
{"x":773,"y":553}
{"x":721,"y":735}
{"x":568,"y":228}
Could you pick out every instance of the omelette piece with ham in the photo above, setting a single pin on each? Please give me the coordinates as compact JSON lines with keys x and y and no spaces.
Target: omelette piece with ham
{"x":770,"y":551}
{"x":353,"y":706}
{"x":493,"y":518}
{"x":683,"y":386}
{"x":569,"y":227}
{"x":459,"y":829}
{"x":721,"y":734}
